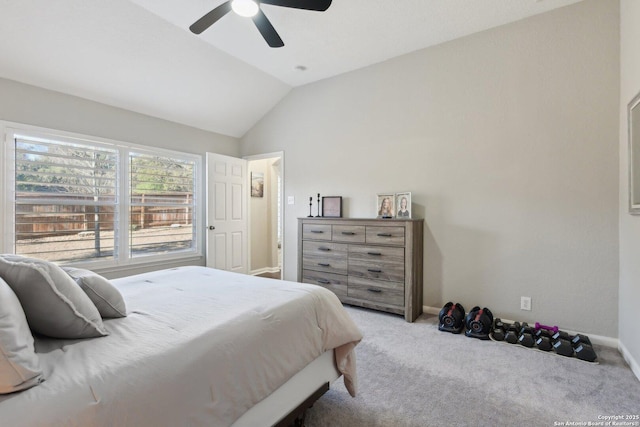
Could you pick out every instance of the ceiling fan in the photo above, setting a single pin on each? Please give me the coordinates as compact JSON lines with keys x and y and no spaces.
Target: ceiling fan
{"x":251,"y":8}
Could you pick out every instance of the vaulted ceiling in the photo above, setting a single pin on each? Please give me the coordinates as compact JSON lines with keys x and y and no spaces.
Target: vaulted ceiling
{"x":140,"y":55}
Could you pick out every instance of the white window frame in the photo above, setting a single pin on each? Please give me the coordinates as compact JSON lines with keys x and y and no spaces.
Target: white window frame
{"x":8,"y":132}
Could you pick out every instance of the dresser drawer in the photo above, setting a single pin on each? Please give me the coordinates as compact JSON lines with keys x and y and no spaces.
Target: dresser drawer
{"x":377,"y":262}
{"x":390,"y":293}
{"x":348,"y":233}
{"x":336,"y":283}
{"x":385,"y":235}
{"x":316,"y":231}
{"x":325,"y":256}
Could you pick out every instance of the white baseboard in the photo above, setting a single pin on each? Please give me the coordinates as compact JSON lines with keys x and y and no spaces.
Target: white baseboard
{"x":596,"y":339}
{"x":633,"y":364}
{"x":431,"y":310}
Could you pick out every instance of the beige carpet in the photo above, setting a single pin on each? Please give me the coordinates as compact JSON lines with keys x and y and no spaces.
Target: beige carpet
{"x":411,"y":374}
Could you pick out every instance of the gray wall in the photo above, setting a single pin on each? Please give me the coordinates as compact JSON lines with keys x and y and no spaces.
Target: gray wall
{"x":508,"y":140}
{"x":41,"y":107}
{"x":44,"y":108}
{"x":629,"y":225}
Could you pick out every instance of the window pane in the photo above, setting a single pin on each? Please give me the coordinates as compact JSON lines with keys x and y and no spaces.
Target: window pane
{"x":65,"y":233}
{"x":64,"y":171}
{"x":65,"y":197}
{"x":161,"y":206}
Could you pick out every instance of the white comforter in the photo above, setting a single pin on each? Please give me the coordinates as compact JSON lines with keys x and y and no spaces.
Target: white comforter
{"x":199,"y":347}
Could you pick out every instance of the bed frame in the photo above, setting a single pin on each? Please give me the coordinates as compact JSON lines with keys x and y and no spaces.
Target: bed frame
{"x":289,"y":402}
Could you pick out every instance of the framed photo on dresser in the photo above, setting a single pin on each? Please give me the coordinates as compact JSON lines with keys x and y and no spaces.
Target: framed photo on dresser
{"x":332,"y":207}
{"x":385,"y":205}
{"x":403,"y":205}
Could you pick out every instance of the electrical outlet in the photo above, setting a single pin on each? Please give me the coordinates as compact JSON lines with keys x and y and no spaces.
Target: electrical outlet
{"x":291,"y":200}
{"x":525,"y":303}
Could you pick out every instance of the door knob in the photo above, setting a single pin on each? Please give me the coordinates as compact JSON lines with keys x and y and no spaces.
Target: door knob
{"x":211,"y":227}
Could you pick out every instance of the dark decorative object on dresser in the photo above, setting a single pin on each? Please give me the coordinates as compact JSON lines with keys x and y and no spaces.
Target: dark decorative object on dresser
{"x":370,"y":263}
{"x":318,"y":206}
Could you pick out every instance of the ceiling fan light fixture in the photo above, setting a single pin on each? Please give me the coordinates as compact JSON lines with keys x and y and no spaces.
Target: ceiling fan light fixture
{"x":251,"y":8}
{"x":246,"y":8}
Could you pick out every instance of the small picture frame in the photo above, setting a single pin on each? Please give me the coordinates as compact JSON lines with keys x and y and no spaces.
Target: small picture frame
{"x":332,"y":206}
{"x":403,"y":205}
{"x":633,"y":118}
{"x":385,"y":205}
{"x":257,"y":184}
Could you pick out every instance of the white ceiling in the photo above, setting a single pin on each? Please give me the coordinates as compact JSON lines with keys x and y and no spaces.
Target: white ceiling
{"x":141,"y":56}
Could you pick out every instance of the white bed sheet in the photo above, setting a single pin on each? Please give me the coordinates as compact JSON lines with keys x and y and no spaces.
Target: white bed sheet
{"x":199,"y":347}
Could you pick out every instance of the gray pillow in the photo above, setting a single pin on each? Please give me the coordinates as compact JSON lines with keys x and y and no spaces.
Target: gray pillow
{"x":19,"y":366}
{"x":53,"y":303}
{"x":105,"y":296}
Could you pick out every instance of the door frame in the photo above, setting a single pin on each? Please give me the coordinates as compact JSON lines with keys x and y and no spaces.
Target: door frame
{"x":279,"y":154}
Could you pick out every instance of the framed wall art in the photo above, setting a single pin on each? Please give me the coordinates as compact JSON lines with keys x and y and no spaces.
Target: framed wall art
{"x":332,"y":206}
{"x":634,"y":155}
{"x":257,"y":184}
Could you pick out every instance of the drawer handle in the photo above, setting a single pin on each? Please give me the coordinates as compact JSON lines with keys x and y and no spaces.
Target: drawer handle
{"x":317,"y":231}
{"x":324,"y":265}
{"x":323,"y":281}
{"x":375,"y":291}
{"x":324,"y":249}
{"x":374,"y":253}
{"x":385,"y":235}
{"x":374,"y":270}
{"x":348,"y":233}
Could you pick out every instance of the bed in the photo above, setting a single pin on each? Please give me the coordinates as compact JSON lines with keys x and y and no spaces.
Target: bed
{"x":198,"y":346}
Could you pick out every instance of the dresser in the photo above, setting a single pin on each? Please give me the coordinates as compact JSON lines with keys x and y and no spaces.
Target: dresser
{"x":373,"y":263}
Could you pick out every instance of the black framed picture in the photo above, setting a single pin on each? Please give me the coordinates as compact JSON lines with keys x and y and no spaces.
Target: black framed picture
{"x":257,"y":184}
{"x":332,"y":207}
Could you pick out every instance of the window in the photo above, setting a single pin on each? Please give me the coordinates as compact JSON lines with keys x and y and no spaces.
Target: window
{"x":65,"y":200}
{"x":83,"y":200}
{"x":161,"y":204}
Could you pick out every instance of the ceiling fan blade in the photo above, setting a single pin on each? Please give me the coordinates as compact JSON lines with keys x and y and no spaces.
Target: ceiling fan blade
{"x":210,"y":18}
{"x":318,"y":5}
{"x":266,"y":29}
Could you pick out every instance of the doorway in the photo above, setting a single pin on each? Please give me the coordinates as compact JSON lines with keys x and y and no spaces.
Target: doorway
{"x":266,"y":214}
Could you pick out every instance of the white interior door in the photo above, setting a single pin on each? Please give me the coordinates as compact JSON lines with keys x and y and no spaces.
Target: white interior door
{"x":227,"y":242}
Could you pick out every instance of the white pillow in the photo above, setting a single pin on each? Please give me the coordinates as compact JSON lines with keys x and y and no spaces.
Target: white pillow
{"x":53,"y":303}
{"x":19,"y":366}
{"x":105,"y":296}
